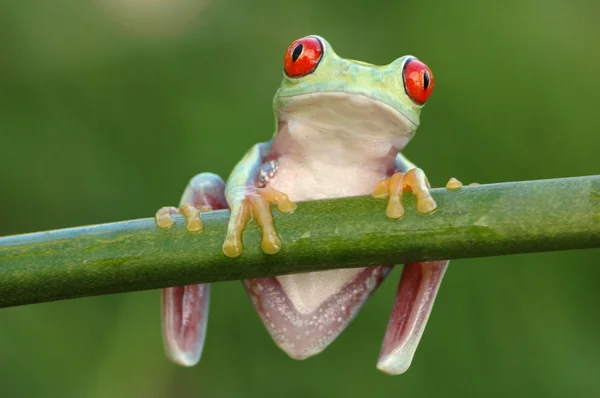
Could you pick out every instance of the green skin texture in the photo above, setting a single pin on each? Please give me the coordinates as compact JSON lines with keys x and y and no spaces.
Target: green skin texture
{"x":336,"y":74}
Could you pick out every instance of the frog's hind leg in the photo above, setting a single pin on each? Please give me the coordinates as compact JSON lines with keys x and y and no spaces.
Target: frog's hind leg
{"x":185,"y":308}
{"x":416,"y":294}
{"x":419,"y":283}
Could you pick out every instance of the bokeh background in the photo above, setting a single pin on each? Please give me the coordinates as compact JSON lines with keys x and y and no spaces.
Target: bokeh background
{"x":108,"y":107}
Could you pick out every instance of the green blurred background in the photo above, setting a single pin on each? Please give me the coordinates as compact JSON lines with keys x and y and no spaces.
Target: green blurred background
{"x":108,"y":107}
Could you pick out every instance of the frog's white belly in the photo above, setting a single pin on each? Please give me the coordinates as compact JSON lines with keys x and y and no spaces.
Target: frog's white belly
{"x":303,"y":178}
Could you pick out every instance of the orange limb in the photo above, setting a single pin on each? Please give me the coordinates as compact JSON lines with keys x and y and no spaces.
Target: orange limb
{"x":256,"y":205}
{"x":164,"y":217}
{"x":185,"y":308}
{"x":453,"y":184}
{"x":392,"y":188}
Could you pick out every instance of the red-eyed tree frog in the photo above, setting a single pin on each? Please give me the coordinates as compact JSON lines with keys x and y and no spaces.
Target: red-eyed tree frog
{"x":340,"y":125}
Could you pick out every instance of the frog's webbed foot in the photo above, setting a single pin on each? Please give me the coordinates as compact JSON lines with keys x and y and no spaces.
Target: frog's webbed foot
{"x":256,"y":204}
{"x":185,"y":308}
{"x":413,"y":181}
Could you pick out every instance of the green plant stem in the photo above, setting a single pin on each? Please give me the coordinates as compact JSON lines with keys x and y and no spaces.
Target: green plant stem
{"x":487,"y":220}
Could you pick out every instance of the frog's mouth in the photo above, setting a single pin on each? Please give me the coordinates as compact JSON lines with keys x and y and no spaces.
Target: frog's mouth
{"x":348,"y":112}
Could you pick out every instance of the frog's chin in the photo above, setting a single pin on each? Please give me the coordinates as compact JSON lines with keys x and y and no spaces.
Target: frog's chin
{"x":351,"y":113}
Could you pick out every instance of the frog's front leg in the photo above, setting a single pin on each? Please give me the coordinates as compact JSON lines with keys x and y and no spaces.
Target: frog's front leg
{"x":407,"y":178}
{"x":419,"y":282}
{"x":185,"y":308}
{"x":248,"y":199}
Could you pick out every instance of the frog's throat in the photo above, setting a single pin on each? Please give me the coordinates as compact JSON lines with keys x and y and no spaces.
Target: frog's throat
{"x":353,"y":103}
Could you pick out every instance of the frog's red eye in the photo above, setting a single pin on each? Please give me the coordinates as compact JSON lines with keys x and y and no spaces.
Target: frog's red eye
{"x":302,"y":56}
{"x":418,"y":80}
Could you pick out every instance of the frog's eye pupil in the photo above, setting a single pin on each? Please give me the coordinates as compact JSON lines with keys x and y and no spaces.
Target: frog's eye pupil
{"x":418,"y":80}
{"x":297,"y":52}
{"x":303,"y":56}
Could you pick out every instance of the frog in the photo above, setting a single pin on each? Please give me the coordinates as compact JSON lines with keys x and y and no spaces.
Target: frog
{"x":341,"y":125}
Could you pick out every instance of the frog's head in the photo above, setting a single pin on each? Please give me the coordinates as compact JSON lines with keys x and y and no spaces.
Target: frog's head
{"x":332,"y":93}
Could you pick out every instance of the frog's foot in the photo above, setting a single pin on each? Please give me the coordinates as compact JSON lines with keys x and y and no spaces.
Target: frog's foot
{"x":193,"y":223}
{"x":185,"y":308}
{"x":256,"y":204}
{"x":416,"y":293}
{"x":413,"y":181}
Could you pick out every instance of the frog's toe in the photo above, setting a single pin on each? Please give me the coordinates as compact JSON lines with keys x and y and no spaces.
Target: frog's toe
{"x":241,"y":213}
{"x":233,"y":246}
{"x":414,"y":300}
{"x":270,"y":243}
{"x":193,"y":222}
{"x":164,"y":216}
{"x":273,"y":196}
{"x":453,"y":184}
{"x":426,"y":205}
{"x":413,"y":181}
